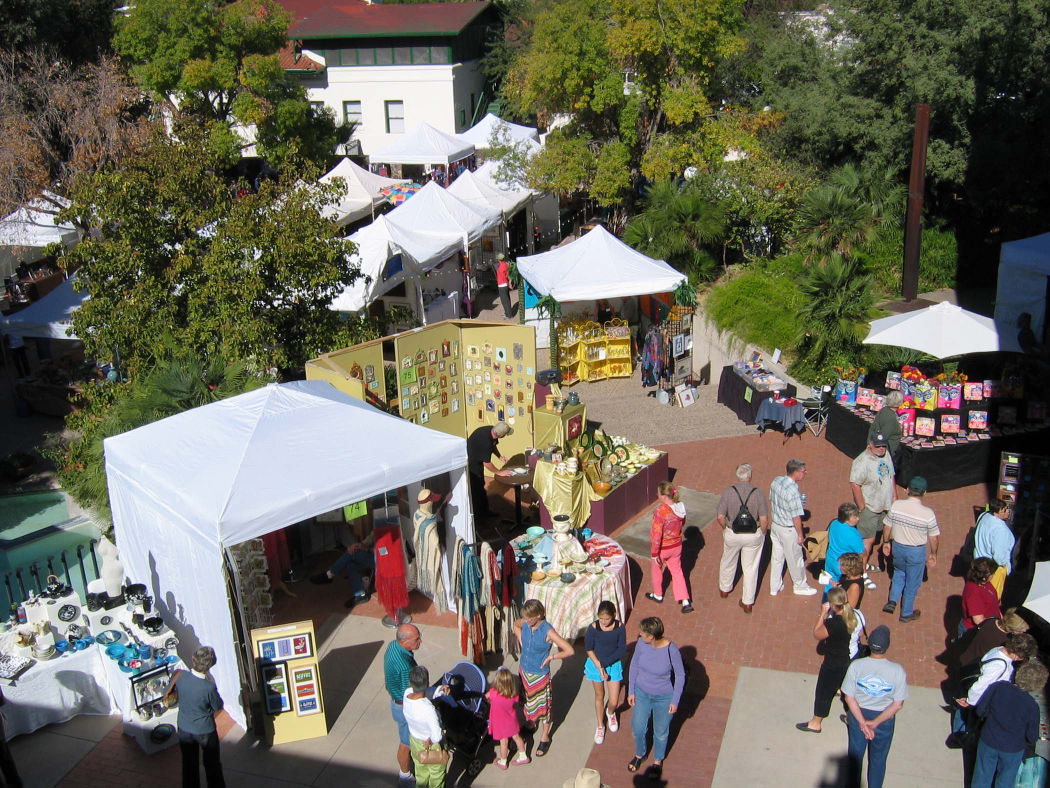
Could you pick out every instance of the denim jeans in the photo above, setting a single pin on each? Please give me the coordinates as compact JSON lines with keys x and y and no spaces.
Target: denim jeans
{"x":878,"y":748}
{"x":658,"y":707}
{"x":351,"y":565}
{"x":995,"y":763}
{"x":908,"y":565}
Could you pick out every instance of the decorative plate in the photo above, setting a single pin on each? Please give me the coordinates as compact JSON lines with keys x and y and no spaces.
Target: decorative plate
{"x":68,"y":612}
{"x":106,"y":620}
{"x":171,"y":643}
{"x":162,"y":733}
{"x":622,"y":453}
{"x":599,"y":449}
{"x":109,"y":637}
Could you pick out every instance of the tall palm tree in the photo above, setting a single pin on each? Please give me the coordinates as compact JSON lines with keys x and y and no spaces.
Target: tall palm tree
{"x":838,"y":305}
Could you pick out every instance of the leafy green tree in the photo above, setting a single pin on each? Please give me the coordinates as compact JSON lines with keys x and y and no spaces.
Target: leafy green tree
{"x":218,"y":61}
{"x":78,"y":31}
{"x":184,"y":255}
{"x":634,"y":79}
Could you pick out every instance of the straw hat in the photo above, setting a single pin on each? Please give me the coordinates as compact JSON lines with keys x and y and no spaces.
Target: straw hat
{"x":585,"y":778}
{"x":427,"y":496}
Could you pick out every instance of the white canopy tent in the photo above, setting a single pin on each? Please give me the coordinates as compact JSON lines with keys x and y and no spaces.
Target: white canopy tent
{"x":480,"y":134}
{"x":597,"y":265}
{"x":362,"y":192}
{"x":1024,"y":269}
{"x":434,"y":211}
{"x":185,"y":488}
{"x":377,"y":244}
{"x":25,"y":233}
{"x":942,"y":330}
{"x":483,"y":194}
{"x":51,"y":317}
{"x":424,"y":145}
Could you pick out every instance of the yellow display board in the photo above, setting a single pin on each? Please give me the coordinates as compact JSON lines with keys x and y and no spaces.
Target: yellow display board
{"x":357,"y":370}
{"x":289,"y":672}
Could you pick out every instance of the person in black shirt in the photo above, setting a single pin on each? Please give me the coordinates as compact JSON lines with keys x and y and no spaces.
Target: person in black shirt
{"x":834,"y":628}
{"x":482,"y":446}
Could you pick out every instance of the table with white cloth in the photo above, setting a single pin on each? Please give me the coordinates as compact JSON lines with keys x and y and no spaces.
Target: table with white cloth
{"x":572,"y":607}
{"x":56,"y":691}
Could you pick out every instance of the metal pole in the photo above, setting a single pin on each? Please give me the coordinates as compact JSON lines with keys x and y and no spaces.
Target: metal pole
{"x":65,"y":565}
{"x":916,"y":191}
{"x":80,"y":561}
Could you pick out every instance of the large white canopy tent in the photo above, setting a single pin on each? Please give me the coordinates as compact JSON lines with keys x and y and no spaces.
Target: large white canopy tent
{"x":185,"y":488}
{"x":362,"y":192}
{"x":25,"y":233}
{"x":480,"y":134}
{"x":434,"y":211}
{"x":51,"y":317}
{"x":424,"y":145}
{"x":1024,"y":269}
{"x":942,"y":330}
{"x":597,"y":265}
{"x":482,"y":193}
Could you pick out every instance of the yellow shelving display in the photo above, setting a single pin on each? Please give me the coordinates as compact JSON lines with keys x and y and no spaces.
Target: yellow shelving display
{"x":590,"y":351}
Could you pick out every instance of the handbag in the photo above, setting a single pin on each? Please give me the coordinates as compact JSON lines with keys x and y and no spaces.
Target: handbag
{"x":171,"y":697}
{"x":432,"y":755}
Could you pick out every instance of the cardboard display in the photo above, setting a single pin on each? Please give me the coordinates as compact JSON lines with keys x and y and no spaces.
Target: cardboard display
{"x":289,"y":675}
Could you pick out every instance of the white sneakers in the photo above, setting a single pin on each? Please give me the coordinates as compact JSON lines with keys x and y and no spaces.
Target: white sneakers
{"x":613,"y":724}
{"x":599,"y":735}
{"x":807,"y":591}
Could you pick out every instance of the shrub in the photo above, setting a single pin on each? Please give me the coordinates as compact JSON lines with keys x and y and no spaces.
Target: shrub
{"x":938,"y":259}
{"x":760,"y":305}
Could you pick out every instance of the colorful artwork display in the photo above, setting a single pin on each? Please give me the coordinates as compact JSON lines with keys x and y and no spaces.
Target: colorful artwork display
{"x":925,"y":426}
{"x":950,"y":423}
{"x":275,"y":688}
{"x":977,"y":420}
{"x":973,"y":392}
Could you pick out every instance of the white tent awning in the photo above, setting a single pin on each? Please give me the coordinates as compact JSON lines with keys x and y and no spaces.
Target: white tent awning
{"x":25,"y":233}
{"x":942,"y":330}
{"x":433,"y":210}
{"x":424,"y":145}
{"x":597,"y":265}
{"x":51,"y":317}
{"x":1024,"y":266}
{"x":481,"y":193}
{"x":362,"y":192}
{"x":480,"y":134}
{"x":186,"y":487}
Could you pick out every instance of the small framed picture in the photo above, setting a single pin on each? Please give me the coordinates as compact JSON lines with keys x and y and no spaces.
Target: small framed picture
{"x":441,"y":365}
{"x":687,"y":397}
{"x":472,"y":351}
{"x":432,"y":356}
{"x":455,"y":386}
{"x":452,"y":367}
{"x":455,"y":348}
{"x":424,"y":417}
{"x":446,"y":348}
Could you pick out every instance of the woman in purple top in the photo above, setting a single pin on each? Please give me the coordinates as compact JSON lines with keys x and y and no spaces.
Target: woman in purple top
{"x":652,"y":692}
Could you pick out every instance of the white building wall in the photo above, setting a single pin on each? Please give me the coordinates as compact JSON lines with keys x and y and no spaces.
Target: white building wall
{"x":431,"y":94}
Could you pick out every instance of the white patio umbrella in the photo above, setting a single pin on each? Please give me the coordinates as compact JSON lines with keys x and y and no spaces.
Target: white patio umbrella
{"x":942,"y":330}
{"x":1038,"y":600}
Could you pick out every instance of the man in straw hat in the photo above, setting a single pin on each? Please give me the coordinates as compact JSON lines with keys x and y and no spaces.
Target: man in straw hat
{"x":585,"y":778}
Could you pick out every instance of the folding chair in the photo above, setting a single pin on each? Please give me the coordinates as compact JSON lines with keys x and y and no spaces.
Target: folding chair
{"x":815,"y":409}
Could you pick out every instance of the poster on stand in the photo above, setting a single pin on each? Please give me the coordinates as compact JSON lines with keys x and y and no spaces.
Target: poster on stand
{"x":290,"y":681}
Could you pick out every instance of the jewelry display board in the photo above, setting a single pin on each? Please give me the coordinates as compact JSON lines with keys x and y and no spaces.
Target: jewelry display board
{"x":290,"y":678}
{"x":357,"y":370}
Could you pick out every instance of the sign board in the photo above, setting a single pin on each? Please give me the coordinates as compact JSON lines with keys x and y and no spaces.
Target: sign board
{"x":290,"y":678}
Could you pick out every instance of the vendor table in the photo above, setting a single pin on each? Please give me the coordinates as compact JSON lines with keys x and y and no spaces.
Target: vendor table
{"x":791,"y":418}
{"x":57,"y":690}
{"x":944,"y":467}
{"x":571,"y":608}
{"x":623,"y":502}
{"x":733,"y":392}
{"x":517,"y":481}
{"x":562,"y":494}
{"x":551,"y":428}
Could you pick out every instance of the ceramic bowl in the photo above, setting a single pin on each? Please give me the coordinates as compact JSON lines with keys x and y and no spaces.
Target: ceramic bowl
{"x":567,"y":577}
{"x":62,"y":646}
{"x":115,"y":651}
{"x":80,"y":644}
{"x":538,"y":575}
{"x":535,"y":531}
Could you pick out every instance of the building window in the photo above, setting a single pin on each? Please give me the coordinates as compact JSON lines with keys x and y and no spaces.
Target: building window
{"x":440,"y":55}
{"x":420,"y":55}
{"x":395,"y":117}
{"x":366,"y":57}
{"x":402,"y":56}
{"x":347,"y":57}
{"x":384,"y":56}
{"x":317,"y":106}
{"x":352,"y":112}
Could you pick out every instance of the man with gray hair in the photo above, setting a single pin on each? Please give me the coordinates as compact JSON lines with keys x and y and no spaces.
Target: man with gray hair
{"x":743,"y":513}
{"x":785,"y":501}
{"x":398,"y":661}
{"x":199,"y":702}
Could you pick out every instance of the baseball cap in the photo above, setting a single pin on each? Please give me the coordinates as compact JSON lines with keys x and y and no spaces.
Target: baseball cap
{"x":502,"y":429}
{"x":917,"y":484}
{"x":879,"y":639}
{"x":878,"y":439}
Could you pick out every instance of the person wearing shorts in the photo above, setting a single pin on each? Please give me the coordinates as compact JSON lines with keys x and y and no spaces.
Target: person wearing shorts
{"x":874,"y":490}
{"x":606,"y":645}
{"x":398,"y":661}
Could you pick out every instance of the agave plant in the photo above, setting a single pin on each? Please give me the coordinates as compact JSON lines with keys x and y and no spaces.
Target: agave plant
{"x":838,"y":305}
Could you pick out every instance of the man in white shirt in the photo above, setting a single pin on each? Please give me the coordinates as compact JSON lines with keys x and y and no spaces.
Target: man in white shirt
{"x":874,"y":489}
{"x":910,"y":527}
{"x":785,"y":502}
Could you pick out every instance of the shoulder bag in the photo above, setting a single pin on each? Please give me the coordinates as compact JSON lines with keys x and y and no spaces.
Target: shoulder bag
{"x":432,"y":755}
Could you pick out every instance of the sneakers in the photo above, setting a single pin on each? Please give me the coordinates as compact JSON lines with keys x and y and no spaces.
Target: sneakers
{"x":869,"y":583}
{"x":654,"y":597}
{"x":599,"y":735}
{"x":687,"y":608}
{"x":872,"y":568}
{"x":913,"y":617}
{"x":889,"y":607}
{"x":354,"y":601}
{"x":807,"y":591}
{"x":521,"y":759}
{"x":613,"y":724}
{"x":320,"y":579}
{"x":501,"y":763}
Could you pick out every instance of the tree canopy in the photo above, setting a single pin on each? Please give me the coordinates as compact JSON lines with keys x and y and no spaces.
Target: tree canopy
{"x":75,"y":31}
{"x":218,"y":61}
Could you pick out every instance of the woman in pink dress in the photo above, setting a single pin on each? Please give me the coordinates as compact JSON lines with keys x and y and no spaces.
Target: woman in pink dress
{"x":665,"y":546}
{"x":503,"y":718}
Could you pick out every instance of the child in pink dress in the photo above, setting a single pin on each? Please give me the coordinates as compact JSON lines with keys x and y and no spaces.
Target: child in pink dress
{"x":503,"y":717}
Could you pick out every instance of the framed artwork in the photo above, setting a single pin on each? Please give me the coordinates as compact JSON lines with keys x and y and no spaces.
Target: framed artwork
{"x":455,"y":405}
{"x":488,"y":361}
{"x":478,"y":380}
{"x":444,"y":412}
{"x":408,"y":376}
{"x":423,"y":399}
{"x":893,"y":380}
{"x":455,"y":348}
{"x":441,"y":365}
{"x":977,"y":420}
{"x":415,"y":402}
{"x":444,"y":381}
{"x":452,"y":367}
{"x":678,"y":343}
{"x":434,"y":407}
{"x":992,"y":389}
{"x":521,"y":367}
{"x":307,"y":692}
{"x":518,"y":350}
{"x":687,"y":396}
{"x":486,"y":348}
{"x":414,"y":390}
{"x":470,"y":400}
{"x":373,"y":385}
{"x":925,"y":426}
{"x":501,"y":354}
{"x":432,"y":371}
{"x":509,"y":383}
{"x":500,"y":415}
{"x":421,"y":357}
{"x":973,"y":391}
{"x":865,"y":396}
{"x":276,"y":697}
{"x":488,"y":376}
{"x":432,"y":356}
{"x":406,"y":362}
{"x":472,"y":351}
{"x":497,"y":380}
{"x":498,"y":395}
{"x":406,"y":390}
{"x":509,"y":369}
{"x":424,"y":416}
{"x":528,"y":371}
{"x":950,"y":423}
{"x":455,"y":386}
{"x":446,"y":348}
{"x":370,"y":373}
{"x":468,"y":364}
{"x":421,"y":373}
{"x":444,"y":397}
{"x":490,"y":405}
{"x":521,"y":396}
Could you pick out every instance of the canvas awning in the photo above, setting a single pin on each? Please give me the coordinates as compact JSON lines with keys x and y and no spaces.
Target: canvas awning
{"x":362,"y":192}
{"x":424,"y":145}
{"x":480,"y":134}
{"x":483,"y":193}
{"x":433,"y":210}
{"x":597,"y":265}
{"x":25,"y":233}
{"x":51,"y":317}
{"x":1024,"y":270}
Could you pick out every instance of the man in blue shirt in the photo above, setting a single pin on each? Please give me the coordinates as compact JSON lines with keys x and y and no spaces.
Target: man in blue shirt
{"x":1011,"y":722}
{"x":994,"y":539}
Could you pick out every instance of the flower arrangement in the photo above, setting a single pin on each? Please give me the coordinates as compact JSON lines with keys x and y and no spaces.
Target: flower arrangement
{"x":912,"y":374}
{"x":851,"y":373}
{"x":952,"y":377}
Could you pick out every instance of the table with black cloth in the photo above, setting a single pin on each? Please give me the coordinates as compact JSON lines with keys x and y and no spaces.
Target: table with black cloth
{"x":943,"y":467}
{"x":731,"y":393}
{"x":791,"y":418}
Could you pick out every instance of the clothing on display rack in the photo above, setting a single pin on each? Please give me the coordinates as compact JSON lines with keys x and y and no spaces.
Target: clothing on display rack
{"x":391,"y":571}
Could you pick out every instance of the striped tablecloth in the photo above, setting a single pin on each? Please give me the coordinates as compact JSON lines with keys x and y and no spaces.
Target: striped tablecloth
{"x":570,"y":608}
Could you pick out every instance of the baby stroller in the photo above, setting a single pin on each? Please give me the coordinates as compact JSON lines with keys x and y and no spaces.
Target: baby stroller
{"x":464,"y":713}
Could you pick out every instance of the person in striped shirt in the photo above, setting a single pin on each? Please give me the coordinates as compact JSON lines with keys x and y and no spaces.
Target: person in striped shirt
{"x":910,"y":527}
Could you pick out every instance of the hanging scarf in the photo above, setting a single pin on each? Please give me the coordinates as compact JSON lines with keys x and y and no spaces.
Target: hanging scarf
{"x":391,"y":581}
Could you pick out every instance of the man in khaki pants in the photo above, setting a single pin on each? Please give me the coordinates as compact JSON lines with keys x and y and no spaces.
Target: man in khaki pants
{"x":742,"y":537}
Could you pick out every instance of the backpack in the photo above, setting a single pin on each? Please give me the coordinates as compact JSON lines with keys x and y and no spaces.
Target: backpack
{"x":744,"y":522}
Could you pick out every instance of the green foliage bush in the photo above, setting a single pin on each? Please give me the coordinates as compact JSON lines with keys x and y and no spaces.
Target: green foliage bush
{"x":938,"y":259}
{"x":761,"y":304}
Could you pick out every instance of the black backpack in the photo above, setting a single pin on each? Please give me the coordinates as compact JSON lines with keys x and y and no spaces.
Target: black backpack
{"x":744,"y":522}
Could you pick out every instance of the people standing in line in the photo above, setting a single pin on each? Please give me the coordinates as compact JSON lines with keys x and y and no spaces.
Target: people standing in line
{"x":874,"y":490}
{"x":996,"y":665}
{"x":199,"y":702}
{"x":503,"y":718}
{"x":536,"y":637}
{"x":743,"y":513}
{"x":843,"y":537}
{"x":606,"y":644}
{"x":834,"y":628}
{"x":503,"y":284}
{"x":656,"y":680}
{"x":910,"y":536}
{"x":482,"y":446}
{"x":851,"y":578}
{"x":875,"y":690}
{"x":424,"y":728}
{"x":887,"y":423}
{"x":785,"y":502}
{"x":665,"y":546}
{"x":8,"y":769}
{"x":979,"y":600}
{"x":990,"y":634}
{"x":994,"y":539}
{"x":398,"y":661}
{"x":1011,"y":725}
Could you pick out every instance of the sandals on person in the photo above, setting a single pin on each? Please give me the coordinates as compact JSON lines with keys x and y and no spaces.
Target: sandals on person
{"x":635,"y":764}
{"x":542,"y":747}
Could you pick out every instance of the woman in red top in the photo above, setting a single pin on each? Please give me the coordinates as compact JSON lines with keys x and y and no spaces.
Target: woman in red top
{"x":979,"y":599}
{"x":665,"y":546}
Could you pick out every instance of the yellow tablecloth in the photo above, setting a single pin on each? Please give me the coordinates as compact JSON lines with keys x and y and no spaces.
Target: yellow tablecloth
{"x":552,"y":428}
{"x":561,"y":494}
